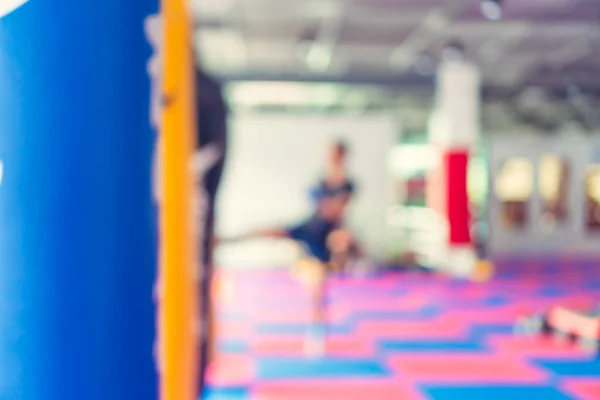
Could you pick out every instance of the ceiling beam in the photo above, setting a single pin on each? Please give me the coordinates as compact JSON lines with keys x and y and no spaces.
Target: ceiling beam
{"x":499,"y":46}
{"x":319,"y":56}
{"x":572,"y":51}
{"x":431,"y":28}
{"x":404,"y":56}
{"x":389,"y":81}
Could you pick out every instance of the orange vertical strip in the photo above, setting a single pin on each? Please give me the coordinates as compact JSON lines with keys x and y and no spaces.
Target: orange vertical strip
{"x":179,"y":306}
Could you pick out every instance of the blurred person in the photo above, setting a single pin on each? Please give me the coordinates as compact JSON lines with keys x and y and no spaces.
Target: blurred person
{"x":324,"y":236}
{"x":208,"y":165}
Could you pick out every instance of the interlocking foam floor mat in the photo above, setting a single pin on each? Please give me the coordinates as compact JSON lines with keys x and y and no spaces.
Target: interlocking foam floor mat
{"x":404,"y":337}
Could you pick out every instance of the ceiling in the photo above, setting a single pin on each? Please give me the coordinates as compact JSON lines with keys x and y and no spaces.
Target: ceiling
{"x":537,"y":45}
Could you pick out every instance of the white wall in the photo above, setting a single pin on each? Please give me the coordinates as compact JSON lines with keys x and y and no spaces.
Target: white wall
{"x":274,"y":160}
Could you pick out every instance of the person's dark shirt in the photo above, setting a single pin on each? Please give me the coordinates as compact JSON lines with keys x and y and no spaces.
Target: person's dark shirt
{"x":326,"y":189}
{"x":211,"y":111}
{"x":211,"y":114}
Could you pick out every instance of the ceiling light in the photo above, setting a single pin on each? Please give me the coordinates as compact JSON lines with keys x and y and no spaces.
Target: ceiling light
{"x":222,"y":49}
{"x":402,"y":57}
{"x":268,"y":93}
{"x":492,"y":9}
{"x":405,"y":160}
{"x":290,"y":94}
{"x":319,"y":58}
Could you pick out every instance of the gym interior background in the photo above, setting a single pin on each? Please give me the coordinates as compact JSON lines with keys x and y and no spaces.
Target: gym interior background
{"x":473,"y":129}
{"x":301,"y":74}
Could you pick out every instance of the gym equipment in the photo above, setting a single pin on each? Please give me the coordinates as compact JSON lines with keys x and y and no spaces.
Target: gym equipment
{"x":565,"y":325}
{"x":79,"y":118}
{"x":77,"y":219}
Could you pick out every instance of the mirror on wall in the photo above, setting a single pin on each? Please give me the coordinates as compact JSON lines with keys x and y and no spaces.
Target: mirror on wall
{"x":554,"y":176}
{"x":514,"y":189}
{"x":592,"y":198}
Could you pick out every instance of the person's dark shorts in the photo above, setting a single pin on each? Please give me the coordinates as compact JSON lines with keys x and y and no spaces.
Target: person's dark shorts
{"x":313,"y":234}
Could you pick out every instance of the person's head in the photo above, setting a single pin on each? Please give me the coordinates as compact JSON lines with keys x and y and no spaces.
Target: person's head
{"x":338,"y":152}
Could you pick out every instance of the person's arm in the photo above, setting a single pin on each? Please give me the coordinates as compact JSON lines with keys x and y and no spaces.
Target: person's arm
{"x":262,"y":234}
{"x":339,"y":241}
{"x":204,"y":159}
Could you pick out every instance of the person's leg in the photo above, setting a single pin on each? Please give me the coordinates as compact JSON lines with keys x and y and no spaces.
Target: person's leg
{"x":275,"y":233}
{"x":206,"y":309}
{"x":318,"y":295}
{"x":340,"y":244}
{"x":316,"y":277}
{"x":206,"y":314}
